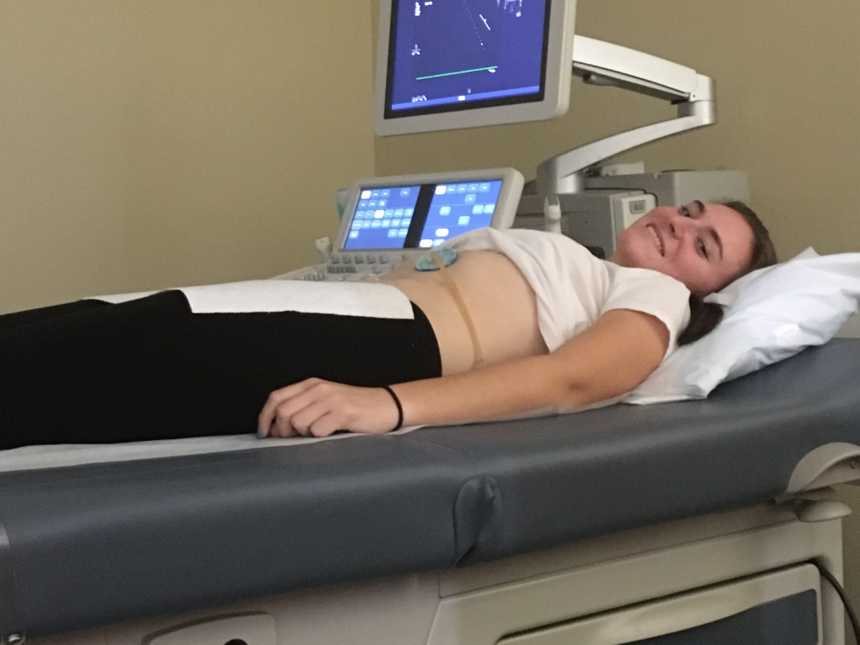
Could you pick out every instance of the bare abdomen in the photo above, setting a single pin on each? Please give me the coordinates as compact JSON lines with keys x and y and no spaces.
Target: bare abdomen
{"x":499,"y":300}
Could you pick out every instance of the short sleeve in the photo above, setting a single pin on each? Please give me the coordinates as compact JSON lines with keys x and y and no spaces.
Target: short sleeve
{"x":650,"y":292}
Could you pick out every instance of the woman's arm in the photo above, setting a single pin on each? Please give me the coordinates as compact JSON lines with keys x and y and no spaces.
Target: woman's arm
{"x":610,"y":358}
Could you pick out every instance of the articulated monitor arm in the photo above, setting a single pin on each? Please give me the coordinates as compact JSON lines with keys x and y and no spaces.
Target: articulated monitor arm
{"x":602,"y":63}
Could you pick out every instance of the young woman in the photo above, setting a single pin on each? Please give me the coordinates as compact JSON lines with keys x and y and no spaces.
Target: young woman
{"x":523,"y":322}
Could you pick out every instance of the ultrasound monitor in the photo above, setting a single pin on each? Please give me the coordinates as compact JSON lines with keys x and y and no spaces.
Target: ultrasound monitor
{"x":446,"y":65}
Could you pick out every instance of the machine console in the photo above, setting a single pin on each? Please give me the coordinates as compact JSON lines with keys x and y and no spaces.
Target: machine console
{"x":389,"y":220}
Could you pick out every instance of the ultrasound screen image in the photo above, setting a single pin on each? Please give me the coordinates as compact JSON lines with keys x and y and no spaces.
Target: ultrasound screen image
{"x":456,"y":54}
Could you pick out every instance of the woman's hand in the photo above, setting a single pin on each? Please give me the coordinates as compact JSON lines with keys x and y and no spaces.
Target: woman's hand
{"x":319,"y":408}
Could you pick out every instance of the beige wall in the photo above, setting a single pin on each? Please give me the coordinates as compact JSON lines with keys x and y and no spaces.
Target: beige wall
{"x":789,"y":109}
{"x":148,"y":143}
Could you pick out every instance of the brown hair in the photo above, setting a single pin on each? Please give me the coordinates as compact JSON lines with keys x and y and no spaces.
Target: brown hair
{"x":704,"y":316}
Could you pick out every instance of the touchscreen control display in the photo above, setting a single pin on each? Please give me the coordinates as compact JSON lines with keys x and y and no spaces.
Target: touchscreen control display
{"x":420,"y":216}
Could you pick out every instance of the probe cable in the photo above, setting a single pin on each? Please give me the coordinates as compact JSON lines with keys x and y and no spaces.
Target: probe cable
{"x":848,"y":608}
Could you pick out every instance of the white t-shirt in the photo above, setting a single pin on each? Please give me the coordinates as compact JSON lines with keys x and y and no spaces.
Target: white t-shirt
{"x":574,"y":288}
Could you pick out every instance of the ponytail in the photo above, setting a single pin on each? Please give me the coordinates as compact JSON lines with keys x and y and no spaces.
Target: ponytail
{"x":704,"y":316}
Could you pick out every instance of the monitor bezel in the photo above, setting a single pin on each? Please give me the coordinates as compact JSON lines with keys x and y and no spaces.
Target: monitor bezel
{"x":503,"y":217}
{"x":556,"y":83}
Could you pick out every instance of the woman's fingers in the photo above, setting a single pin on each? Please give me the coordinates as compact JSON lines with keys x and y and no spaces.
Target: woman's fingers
{"x":319,"y":408}
{"x":326,"y":425}
{"x":276,"y":399}
{"x":296,"y":419}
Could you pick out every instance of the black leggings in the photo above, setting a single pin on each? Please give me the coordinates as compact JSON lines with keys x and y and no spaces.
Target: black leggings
{"x":93,"y":372}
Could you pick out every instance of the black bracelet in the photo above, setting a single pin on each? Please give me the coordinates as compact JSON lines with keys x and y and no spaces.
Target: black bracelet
{"x":399,"y":407}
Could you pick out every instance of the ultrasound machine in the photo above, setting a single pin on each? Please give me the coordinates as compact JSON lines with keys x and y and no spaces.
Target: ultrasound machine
{"x":395,"y":219}
{"x":695,"y":523}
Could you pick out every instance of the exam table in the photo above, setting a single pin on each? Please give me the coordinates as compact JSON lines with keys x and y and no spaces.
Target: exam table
{"x":691,"y":522}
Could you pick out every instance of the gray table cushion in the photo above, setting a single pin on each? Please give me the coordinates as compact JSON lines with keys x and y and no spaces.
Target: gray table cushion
{"x":175,"y":534}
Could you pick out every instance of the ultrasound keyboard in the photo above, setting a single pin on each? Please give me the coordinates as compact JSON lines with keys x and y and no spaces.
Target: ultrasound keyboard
{"x":389,"y":220}
{"x":347,"y":267}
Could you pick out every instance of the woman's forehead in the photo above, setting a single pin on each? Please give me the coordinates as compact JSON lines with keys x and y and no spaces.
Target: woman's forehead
{"x":735,"y":232}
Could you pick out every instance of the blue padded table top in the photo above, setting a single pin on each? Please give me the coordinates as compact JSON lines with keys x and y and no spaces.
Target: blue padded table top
{"x":260,"y":522}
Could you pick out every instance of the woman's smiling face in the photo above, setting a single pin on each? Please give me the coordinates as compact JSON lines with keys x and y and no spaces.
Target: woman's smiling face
{"x":704,"y":245}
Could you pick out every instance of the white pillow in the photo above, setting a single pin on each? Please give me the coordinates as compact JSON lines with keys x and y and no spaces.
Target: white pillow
{"x":770,"y":315}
